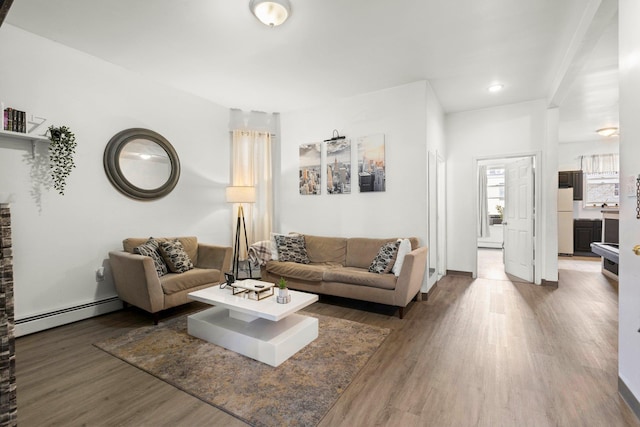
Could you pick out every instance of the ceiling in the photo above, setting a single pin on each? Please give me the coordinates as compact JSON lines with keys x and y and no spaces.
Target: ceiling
{"x":332,"y":49}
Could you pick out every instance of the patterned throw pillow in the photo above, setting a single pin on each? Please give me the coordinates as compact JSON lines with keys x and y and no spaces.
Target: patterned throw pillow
{"x":383,"y":262}
{"x":150,"y":249}
{"x":174,"y":255}
{"x":292,"y":248}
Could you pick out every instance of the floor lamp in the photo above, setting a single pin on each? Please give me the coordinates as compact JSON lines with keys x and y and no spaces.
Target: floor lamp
{"x":240,"y":195}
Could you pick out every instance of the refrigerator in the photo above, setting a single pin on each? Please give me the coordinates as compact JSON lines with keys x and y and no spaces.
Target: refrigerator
{"x":565,"y":221}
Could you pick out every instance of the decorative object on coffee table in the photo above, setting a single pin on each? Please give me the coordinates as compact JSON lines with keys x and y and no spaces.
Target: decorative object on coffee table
{"x":252,"y":289}
{"x":240,"y":195}
{"x":283,"y":293}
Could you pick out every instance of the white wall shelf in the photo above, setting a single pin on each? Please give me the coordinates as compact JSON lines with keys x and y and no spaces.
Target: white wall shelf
{"x":25,"y":137}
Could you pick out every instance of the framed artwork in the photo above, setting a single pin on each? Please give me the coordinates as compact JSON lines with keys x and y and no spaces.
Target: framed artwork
{"x":339,"y":166}
{"x":310,"y":168}
{"x":371,"y":164}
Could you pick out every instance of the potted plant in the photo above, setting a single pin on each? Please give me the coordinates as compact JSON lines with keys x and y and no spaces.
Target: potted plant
{"x":283,"y":293}
{"x":61,"y":150}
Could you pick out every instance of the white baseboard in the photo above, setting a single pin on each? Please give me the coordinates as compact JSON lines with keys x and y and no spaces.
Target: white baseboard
{"x":40,"y":322}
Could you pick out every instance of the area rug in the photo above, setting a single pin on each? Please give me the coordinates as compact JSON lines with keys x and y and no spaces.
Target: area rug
{"x":299,"y":392}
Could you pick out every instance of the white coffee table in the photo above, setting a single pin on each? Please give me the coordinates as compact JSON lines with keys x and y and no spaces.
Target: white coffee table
{"x":263,"y":330}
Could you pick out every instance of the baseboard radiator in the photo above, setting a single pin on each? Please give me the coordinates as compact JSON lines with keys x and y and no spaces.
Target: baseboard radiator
{"x":40,"y":322}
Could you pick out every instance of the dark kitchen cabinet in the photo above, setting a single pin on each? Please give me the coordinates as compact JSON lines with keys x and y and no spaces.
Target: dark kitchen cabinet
{"x":585,"y":232}
{"x":571,"y":179}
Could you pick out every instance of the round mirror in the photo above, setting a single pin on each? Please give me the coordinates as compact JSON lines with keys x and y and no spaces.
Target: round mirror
{"x":141,"y":164}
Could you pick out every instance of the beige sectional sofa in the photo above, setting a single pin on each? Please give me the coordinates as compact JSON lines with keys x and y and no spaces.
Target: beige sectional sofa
{"x":137,"y":281}
{"x":339,"y":266}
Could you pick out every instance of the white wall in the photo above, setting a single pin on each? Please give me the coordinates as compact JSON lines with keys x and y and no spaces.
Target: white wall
{"x":505,"y":131}
{"x":435,"y":123}
{"x":629,"y":286}
{"x":401,"y":115}
{"x":59,"y":241}
{"x":569,"y":152}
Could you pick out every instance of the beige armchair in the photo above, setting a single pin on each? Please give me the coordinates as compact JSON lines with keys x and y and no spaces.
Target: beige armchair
{"x":138,"y":284}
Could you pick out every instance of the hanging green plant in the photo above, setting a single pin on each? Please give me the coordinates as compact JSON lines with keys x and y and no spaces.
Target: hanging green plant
{"x":61,"y":151}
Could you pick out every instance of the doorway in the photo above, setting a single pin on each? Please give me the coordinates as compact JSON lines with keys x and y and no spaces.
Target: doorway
{"x":506,"y":220}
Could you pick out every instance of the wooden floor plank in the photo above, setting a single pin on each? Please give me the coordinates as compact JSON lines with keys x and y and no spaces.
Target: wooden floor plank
{"x":484,"y":352}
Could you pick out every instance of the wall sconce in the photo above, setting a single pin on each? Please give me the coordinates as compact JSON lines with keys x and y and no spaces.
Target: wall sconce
{"x":271,"y":13}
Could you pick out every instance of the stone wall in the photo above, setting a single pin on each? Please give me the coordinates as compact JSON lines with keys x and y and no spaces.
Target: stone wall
{"x":8,"y":405}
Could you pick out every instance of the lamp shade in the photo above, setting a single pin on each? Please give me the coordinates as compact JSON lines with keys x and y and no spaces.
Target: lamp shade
{"x":271,"y":13}
{"x":241,"y":194}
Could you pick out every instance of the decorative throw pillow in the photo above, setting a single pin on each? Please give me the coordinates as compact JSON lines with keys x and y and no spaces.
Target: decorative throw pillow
{"x":403,"y":249}
{"x":174,"y":255}
{"x":150,"y":249}
{"x":274,"y":245}
{"x":383,"y":262}
{"x":292,"y":248}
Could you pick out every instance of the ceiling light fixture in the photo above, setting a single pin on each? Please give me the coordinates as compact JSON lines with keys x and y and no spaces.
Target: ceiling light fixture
{"x":271,"y":13}
{"x":610,"y":131}
{"x":497,"y":87}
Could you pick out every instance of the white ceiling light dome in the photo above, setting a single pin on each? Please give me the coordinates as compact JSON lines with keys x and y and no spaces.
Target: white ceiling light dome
{"x":271,"y":13}
{"x":608,"y":131}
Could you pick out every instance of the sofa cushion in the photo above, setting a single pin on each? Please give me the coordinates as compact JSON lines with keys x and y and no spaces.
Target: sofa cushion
{"x":403,"y":250}
{"x":151,"y":249}
{"x":292,"y":248}
{"x":384,"y":260}
{"x":174,"y":282}
{"x":359,"y":276}
{"x":361,"y":251}
{"x":190,"y":244}
{"x":326,"y":249}
{"x":308,"y":272}
{"x":175,"y":256}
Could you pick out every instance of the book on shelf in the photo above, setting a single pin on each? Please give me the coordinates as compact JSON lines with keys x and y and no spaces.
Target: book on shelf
{"x":14,"y":120}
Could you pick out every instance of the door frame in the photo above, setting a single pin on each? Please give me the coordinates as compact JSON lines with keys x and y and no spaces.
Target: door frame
{"x":537,"y":185}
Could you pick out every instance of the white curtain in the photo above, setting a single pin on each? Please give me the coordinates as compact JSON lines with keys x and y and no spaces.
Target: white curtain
{"x":483,"y":209}
{"x":251,"y":165}
{"x":600,"y":163}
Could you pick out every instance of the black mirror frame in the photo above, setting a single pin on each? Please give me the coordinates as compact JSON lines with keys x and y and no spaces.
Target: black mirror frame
{"x":112,"y":168}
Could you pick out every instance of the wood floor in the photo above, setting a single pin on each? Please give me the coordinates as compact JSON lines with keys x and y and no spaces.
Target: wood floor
{"x":485,"y":352}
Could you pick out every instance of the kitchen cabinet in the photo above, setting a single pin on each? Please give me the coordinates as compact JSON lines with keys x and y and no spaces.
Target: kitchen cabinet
{"x":572,"y":179}
{"x":585,"y":232}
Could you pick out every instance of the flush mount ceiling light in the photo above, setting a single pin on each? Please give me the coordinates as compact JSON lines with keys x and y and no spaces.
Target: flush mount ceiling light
{"x":610,"y":131}
{"x":271,"y":13}
{"x":496,"y":87}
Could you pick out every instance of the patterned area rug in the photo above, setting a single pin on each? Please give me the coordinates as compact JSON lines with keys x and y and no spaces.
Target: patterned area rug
{"x":299,"y":392}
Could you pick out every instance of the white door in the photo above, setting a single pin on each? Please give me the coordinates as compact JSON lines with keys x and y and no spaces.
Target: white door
{"x":518,"y":227}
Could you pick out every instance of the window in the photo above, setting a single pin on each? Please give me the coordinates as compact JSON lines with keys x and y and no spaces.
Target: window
{"x":601,"y":188}
{"x":495,"y":190}
{"x":601,"y":179}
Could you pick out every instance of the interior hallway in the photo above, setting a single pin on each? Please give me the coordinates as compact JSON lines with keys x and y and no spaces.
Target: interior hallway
{"x":491,"y":265}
